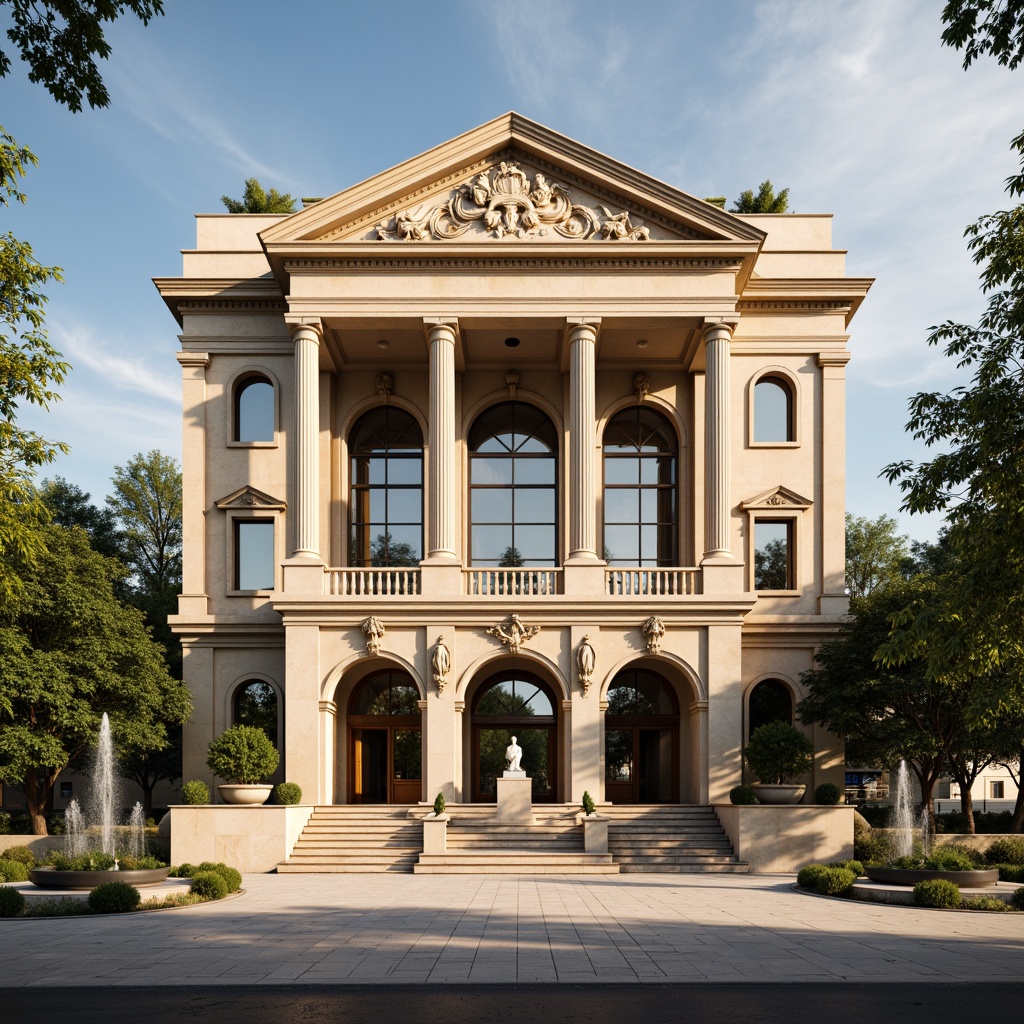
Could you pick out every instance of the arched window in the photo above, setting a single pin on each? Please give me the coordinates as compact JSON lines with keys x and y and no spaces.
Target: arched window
{"x":640,"y":471}
{"x":256,"y":705}
{"x":770,"y":701}
{"x":514,"y":704}
{"x":641,"y":740}
{"x":386,"y":493}
{"x":513,"y":464}
{"x":773,"y":411}
{"x":385,"y":740}
{"x":254,"y":410}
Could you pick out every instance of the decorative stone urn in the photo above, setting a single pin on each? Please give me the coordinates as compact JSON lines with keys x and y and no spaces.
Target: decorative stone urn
{"x":778,"y":794}
{"x":252,"y":794}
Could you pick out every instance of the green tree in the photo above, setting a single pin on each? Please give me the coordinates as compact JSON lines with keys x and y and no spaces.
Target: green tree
{"x":69,"y":651}
{"x":69,"y":506}
{"x":764,"y":201}
{"x":386,"y":551}
{"x":994,"y":27}
{"x":256,"y":199}
{"x":875,"y":553}
{"x":771,"y":566}
{"x":148,"y":767}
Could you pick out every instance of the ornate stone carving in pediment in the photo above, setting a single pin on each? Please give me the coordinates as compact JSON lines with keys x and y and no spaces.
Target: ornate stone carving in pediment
{"x":249,"y":498}
{"x":513,"y":633}
{"x":505,"y":202}
{"x":780,"y":497}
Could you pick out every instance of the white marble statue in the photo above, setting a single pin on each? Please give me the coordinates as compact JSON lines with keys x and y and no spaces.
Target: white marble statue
{"x":514,"y":756}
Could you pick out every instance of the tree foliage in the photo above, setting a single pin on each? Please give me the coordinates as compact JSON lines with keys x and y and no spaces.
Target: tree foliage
{"x":256,"y":199}
{"x":69,"y":651}
{"x":69,"y":506}
{"x":993,"y":27}
{"x":764,"y":201}
{"x":60,"y":41}
{"x":875,"y":553}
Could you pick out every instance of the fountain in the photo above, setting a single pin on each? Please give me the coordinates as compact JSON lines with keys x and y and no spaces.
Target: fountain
{"x":100,"y":834}
{"x":902,"y":819}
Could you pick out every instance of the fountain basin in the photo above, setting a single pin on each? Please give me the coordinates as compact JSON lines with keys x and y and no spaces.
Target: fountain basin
{"x":51,"y":878}
{"x":911,"y":876}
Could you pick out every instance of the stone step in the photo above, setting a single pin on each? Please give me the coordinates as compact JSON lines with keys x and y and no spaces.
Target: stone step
{"x":514,"y":862}
{"x":735,"y":868}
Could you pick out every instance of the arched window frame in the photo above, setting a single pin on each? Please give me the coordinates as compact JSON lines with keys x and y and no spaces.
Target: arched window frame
{"x":559,"y":467}
{"x":674,"y":557}
{"x":787,"y":380}
{"x":770,"y":677}
{"x":235,"y":692}
{"x":349,"y":483}
{"x":239,"y":382}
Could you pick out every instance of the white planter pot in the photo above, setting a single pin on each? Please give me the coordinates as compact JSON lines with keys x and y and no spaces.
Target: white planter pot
{"x":775,"y":794}
{"x":245,"y":793}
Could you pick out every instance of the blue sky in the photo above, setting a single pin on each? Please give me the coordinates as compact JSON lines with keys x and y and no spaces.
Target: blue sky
{"x":857,"y":108}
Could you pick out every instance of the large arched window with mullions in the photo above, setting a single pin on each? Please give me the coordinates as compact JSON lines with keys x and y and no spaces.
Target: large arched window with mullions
{"x":641,"y":463}
{"x":386,"y":489}
{"x":513,"y":469}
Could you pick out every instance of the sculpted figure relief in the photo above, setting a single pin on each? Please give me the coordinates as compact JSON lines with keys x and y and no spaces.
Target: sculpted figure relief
{"x":514,"y":756}
{"x":441,"y":664}
{"x":586,"y":659}
{"x":653,"y":630}
{"x":514,"y":634}
{"x":510,"y":207}
{"x":373,"y":630}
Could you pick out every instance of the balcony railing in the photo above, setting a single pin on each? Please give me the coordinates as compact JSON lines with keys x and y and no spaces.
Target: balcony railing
{"x":512,"y":582}
{"x":401,"y":582}
{"x":651,"y":582}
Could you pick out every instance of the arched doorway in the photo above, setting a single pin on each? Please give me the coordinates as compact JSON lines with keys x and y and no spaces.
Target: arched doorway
{"x":385,"y":749}
{"x":641,"y":740}
{"x":519,"y":704}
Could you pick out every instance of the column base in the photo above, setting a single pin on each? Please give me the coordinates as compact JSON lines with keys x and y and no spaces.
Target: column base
{"x":303,"y":575}
{"x":722,"y":575}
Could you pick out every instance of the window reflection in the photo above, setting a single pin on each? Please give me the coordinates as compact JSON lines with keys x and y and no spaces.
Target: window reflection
{"x":773,"y":412}
{"x":385,"y":693}
{"x":254,"y":410}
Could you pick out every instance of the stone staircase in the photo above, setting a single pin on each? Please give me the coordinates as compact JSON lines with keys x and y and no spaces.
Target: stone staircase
{"x":357,"y":838}
{"x":669,"y":839}
{"x":389,"y":837}
{"x":551,"y":844}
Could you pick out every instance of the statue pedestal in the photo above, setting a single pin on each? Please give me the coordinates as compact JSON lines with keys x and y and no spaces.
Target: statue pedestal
{"x":515,"y":800}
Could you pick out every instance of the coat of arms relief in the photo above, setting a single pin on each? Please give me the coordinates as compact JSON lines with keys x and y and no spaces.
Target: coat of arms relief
{"x":509,"y":205}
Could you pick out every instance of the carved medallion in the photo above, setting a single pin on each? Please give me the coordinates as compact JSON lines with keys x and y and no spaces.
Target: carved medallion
{"x":513,"y":634}
{"x":510,"y":206}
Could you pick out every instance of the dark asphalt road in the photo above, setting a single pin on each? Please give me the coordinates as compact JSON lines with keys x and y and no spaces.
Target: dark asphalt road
{"x":838,"y":1003}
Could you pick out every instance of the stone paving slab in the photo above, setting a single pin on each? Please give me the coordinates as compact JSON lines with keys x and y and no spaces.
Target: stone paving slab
{"x":463,"y":929}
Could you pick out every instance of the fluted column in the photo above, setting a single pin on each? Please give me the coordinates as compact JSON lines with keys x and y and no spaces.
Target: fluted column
{"x":716,"y":440}
{"x":441,"y":485}
{"x":306,"y":514}
{"x":582,"y":458}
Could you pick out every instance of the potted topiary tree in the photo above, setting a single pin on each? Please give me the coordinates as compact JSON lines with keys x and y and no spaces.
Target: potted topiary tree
{"x":776,"y":752}
{"x":243,"y":755}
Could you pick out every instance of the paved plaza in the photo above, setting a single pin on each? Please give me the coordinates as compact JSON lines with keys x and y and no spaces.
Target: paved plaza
{"x":390,"y":929}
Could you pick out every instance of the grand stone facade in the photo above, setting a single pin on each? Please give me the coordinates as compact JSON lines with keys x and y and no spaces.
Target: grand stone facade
{"x":510,"y":439}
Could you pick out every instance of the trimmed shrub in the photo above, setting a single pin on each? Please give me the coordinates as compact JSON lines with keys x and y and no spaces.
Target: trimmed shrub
{"x":937,"y":892}
{"x":835,"y":881}
{"x":1017,"y":899}
{"x":12,"y":903}
{"x":287,"y":793}
{"x":114,"y":898}
{"x":851,"y":865}
{"x":1010,"y":872}
{"x":230,"y":875}
{"x":588,"y":804}
{"x":242,"y":755}
{"x":742,"y":795}
{"x":23,"y":855}
{"x":13,"y":871}
{"x":146,"y":863}
{"x":1006,"y":850}
{"x":778,"y":751}
{"x":84,"y":862}
{"x":984,"y":903}
{"x":951,"y":858}
{"x":209,"y":884}
{"x":195,"y":792}
{"x":810,"y":874}
{"x":828,"y":793}
{"x":185,"y":870}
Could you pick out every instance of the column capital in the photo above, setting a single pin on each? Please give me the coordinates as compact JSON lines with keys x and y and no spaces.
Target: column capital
{"x":438,"y":326}
{"x":580,"y":326}
{"x":714,"y":326}
{"x":193,"y":359}
{"x":304,"y":326}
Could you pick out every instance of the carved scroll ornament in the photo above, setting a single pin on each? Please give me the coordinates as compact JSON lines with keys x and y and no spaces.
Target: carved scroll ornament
{"x":510,"y":206}
{"x":513,"y":633}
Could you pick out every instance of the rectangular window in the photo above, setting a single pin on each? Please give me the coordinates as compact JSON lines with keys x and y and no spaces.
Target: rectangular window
{"x":254,"y":554}
{"x":996,"y":790}
{"x":773,"y":554}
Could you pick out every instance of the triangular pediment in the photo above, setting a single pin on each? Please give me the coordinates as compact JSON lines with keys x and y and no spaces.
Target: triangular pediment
{"x":778,"y":499}
{"x":250,"y":498}
{"x":510,"y":180}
